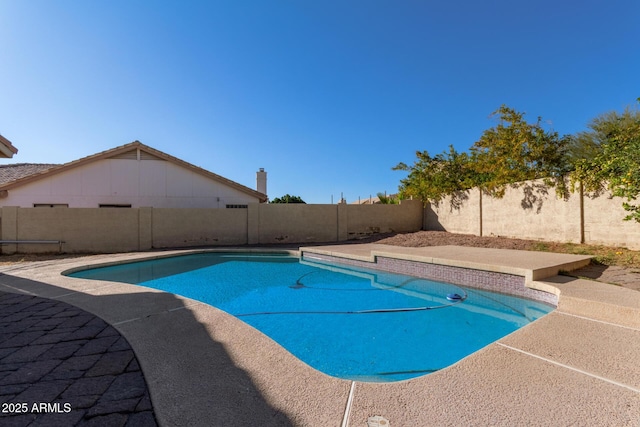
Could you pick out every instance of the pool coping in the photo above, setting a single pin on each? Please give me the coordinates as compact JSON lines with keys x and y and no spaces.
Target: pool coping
{"x":542,"y":373}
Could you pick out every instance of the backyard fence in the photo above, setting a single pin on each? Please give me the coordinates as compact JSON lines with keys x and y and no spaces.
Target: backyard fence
{"x":105,"y":230}
{"x":532,"y":210}
{"x":529,"y":211}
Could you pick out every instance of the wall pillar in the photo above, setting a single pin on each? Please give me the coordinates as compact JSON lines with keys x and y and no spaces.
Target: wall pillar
{"x":253,"y":224}
{"x":9,"y":228}
{"x":343,"y":223}
{"x":480,"y":212}
{"x":581,"y":195}
{"x":145,"y":228}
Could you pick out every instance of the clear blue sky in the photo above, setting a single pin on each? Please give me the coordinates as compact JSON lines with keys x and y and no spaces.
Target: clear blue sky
{"x":327,"y":96}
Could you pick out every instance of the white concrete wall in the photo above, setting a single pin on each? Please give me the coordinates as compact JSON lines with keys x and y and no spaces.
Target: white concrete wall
{"x":155,"y":183}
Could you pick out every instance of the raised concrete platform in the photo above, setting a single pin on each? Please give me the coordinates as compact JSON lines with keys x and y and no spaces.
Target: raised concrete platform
{"x":531,"y":265}
{"x":576,"y":366}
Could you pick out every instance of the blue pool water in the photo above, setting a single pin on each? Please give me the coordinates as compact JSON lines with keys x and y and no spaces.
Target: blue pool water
{"x":350,"y":323}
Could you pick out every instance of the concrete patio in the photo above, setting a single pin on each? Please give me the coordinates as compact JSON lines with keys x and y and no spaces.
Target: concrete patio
{"x":575,"y":366}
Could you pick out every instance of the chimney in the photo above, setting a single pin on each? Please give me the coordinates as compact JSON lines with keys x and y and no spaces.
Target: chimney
{"x":261,"y":181}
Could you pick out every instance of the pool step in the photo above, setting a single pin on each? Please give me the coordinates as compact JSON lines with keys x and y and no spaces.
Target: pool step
{"x":597,"y":301}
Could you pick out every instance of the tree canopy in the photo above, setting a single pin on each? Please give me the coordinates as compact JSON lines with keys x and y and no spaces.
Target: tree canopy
{"x":391,"y":199}
{"x":288,"y":199}
{"x":515,"y":151}
{"x":432,"y":178}
{"x":613,"y":162}
{"x":512,"y":151}
{"x":604,"y":157}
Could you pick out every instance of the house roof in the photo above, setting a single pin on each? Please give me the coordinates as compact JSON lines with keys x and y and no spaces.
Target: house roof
{"x":7,"y":150}
{"x":9,"y":173}
{"x":25,"y":173}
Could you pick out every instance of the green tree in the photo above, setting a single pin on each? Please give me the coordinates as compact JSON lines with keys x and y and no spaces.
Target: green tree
{"x":583,"y":145}
{"x":432,"y":178}
{"x":615,"y":161}
{"x":388,"y":200}
{"x":509,"y":153}
{"x":514,"y":151}
{"x":287,"y":199}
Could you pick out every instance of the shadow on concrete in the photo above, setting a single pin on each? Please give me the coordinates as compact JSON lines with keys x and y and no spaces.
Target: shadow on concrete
{"x":592,"y":271}
{"x":191,"y":377}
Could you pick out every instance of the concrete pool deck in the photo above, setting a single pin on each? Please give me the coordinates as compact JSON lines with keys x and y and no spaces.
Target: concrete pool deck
{"x":575,"y":366}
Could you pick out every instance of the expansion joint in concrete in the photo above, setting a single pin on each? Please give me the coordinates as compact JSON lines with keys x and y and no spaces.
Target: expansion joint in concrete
{"x":347,"y":410}
{"x":562,"y":365}
{"x":596,"y":320}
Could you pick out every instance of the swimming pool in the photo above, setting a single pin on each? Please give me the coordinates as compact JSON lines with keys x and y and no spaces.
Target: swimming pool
{"x":348,"y":322}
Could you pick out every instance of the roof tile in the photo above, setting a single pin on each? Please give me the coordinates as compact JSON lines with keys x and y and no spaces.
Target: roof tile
{"x":9,"y":173}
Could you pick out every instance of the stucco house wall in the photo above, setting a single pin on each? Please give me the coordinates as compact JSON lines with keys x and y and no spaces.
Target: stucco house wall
{"x":133,"y":175}
{"x":137,"y":183}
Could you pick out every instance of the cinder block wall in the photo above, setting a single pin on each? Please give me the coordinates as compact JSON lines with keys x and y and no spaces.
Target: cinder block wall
{"x":363,"y":221}
{"x":532,"y":210}
{"x":604,"y":224}
{"x":172,"y":228}
{"x":105,"y":230}
{"x":82,"y":230}
{"x":294,"y":223}
{"x":457,"y":214}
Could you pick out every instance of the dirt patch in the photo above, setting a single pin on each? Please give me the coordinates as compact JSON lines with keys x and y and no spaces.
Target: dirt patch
{"x":442,"y":238}
{"x":19,"y":258}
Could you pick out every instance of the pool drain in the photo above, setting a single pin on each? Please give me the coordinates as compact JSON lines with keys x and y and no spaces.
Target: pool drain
{"x":378,"y":421}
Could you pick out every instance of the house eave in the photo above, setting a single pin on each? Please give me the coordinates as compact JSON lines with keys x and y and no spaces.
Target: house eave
{"x":7,"y":150}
